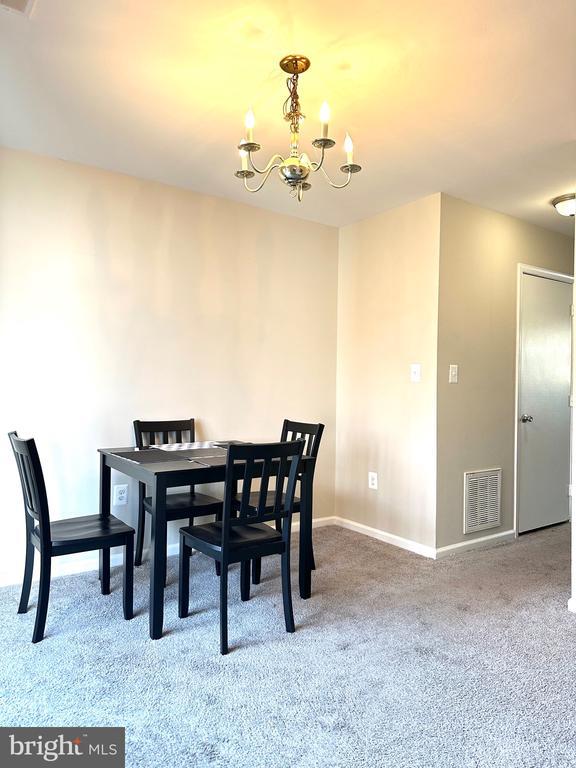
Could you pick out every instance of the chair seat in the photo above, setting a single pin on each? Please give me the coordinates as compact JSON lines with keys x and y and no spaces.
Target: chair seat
{"x":186,"y":504}
{"x":240,"y":535}
{"x":86,"y":528}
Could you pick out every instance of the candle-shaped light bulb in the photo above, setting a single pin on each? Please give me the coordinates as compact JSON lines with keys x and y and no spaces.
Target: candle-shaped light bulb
{"x":249,"y":122}
{"x":349,"y":149}
{"x":325,"y":119}
{"x":244,"y":158}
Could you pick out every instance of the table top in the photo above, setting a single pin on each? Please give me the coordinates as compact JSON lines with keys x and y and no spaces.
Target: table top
{"x":203,"y":458}
{"x":171,"y":458}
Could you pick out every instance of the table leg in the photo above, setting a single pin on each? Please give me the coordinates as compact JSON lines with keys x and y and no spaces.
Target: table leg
{"x":305,"y":566}
{"x":104,"y":562}
{"x":104,"y":487}
{"x":158,"y":562}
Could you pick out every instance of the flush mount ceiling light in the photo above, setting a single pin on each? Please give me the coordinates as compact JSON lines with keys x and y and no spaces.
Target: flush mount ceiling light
{"x":294,"y":170}
{"x":565,"y":204}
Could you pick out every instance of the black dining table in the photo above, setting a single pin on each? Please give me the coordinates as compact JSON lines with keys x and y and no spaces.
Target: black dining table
{"x":172,"y":466}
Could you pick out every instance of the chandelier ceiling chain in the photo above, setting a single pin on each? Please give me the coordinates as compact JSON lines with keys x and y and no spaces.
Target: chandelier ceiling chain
{"x":293,"y":115}
{"x":296,"y":168}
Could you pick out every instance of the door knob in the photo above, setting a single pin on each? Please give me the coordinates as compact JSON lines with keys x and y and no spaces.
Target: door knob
{"x":525,"y":418}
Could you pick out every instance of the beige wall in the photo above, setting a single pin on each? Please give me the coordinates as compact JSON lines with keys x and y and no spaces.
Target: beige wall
{"x":387,"y":319}
{"x":123,"y":299}
{"x":479,"y":253}
{"x":431,"y":282}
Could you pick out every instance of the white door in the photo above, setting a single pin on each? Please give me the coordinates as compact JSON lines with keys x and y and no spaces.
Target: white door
{"x":544,"y":402}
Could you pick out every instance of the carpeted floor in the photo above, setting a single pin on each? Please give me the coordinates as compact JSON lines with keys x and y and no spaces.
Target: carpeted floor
{"x":397,"y":661}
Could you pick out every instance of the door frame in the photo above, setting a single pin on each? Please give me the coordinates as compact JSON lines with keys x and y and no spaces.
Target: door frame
{"x":548,"y":274}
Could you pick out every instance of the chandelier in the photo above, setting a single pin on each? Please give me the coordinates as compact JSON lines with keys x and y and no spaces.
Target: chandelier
{"x":295,"y":169}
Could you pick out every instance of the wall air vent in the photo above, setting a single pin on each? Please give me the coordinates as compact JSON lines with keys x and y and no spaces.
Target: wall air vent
{"x":482,"y":495}
{"x":23,"y":7}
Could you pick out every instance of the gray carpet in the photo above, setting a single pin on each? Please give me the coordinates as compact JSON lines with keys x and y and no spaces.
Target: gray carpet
{"x":397,"y":661}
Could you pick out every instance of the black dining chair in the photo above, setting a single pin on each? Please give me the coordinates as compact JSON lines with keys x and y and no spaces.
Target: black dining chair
{"x":64,"y":537}
{"x":243,"y":533}
{"x":179,"y":506}
{"x":312,"y":434}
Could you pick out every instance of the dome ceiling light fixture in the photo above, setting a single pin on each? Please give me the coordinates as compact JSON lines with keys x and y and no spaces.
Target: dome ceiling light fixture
{"x":295,"y":169}
{"x":565,"y":204}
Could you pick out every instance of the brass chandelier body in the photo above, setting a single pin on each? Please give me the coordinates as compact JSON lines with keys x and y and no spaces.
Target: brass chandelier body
{"x":294,"y":170}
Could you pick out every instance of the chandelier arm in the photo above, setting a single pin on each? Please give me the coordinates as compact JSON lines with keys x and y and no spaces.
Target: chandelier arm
{"x":316,"y":166}
{"x":336,"y":186}
{"x":268,"y":166}
{"x":264,"y":180}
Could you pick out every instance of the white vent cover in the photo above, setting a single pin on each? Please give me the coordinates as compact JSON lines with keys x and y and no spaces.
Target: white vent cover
{"x":17,"y":6}
{"x":482,"y":494}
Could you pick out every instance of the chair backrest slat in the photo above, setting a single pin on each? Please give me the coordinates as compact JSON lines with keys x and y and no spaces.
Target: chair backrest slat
{"x":264,"y":461}
{"x":32,"y":482}
{"x":247,"y":483}
{"x":264,"y":483}
{"x":296,"y":430}
{"x":149,"y":433}
{"x":281,"y":475}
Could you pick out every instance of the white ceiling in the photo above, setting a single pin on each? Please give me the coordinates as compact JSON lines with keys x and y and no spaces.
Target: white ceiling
{"x":476,"y":98}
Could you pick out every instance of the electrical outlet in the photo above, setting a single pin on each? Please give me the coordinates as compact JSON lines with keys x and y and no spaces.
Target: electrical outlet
{"x":453,"y":374}
{"x":373,"y":480}
{"x":415,"y":373}
{"x":120,"y":495}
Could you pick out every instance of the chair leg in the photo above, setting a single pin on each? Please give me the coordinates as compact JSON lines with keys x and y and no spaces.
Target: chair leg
{"x":190,"y":522}
{"x":224,"y":609}
{"x":27,"y":581}
{"x":287,"y":592}
{"x":128,"y":585}
{"x":184,"y":579}
{"x":312,"y":560}
{"x":256,"y":570}
{"x":43,"y":595}
{"x":140,"y":530}
{"x":245,"y":580}
{"x":105,"y":570}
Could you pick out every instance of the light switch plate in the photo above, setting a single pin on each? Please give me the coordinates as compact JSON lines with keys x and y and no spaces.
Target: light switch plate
{"x":453,"y":374}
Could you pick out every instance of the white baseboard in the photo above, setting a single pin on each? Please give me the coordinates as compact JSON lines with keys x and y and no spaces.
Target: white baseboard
{"x":376,"y":533}
{"x":572,"y":605}
{"x":415,"y":546}
{"x":480,"y":543}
